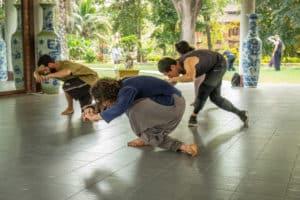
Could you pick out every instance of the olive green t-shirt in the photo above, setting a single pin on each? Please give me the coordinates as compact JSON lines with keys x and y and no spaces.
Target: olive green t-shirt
{"x":84,"y":73}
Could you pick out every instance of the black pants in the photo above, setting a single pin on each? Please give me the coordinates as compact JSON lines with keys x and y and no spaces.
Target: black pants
{"x":211,"y":87}
{"x":78,"y":90}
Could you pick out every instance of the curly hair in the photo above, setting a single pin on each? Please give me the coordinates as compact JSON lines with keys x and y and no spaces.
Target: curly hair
{"x":106,"y":89}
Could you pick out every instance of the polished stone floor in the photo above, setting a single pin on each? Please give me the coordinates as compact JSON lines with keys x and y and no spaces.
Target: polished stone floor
{"x":46,"y":156}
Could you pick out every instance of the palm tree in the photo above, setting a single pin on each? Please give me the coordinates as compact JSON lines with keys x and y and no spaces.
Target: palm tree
{"x":85,"y":20}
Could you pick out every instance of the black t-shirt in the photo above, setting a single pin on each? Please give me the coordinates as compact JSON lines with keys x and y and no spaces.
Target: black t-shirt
{"x":208,"y":60}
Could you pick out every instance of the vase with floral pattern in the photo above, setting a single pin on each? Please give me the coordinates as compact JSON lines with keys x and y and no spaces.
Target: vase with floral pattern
{"x":48,"y":42}
{"x":251,"y":60}
{"x":17,"y":51}
{"x":3,"y":61}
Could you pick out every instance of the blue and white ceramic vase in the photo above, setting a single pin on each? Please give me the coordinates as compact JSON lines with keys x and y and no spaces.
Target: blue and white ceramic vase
{"x":48,"y":42}
{"x":3,"y":61}
{"x":17,"y":51}
{"x":251,"y":60}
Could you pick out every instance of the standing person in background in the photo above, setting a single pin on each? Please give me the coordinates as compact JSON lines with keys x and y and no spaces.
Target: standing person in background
{"x":77,"y":79}
{"x":153,"y":106}
{"x":116,"y":54}
{"x":230,"y":57}
{"x":278,"y":51}
{"x":195,"y":64}
{"x":183,"y":47}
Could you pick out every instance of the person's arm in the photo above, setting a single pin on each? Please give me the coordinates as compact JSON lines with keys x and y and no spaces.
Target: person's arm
{"x":60,"y":74}
{"x":37,"y":74}
{"x":189,"y":66}
{"x":271,"y":39}
{"x":125,"y":99}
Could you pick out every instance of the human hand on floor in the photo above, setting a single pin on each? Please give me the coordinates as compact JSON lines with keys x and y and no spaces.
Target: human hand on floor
{"x":91,"y":117}
{"x":88,"y":113}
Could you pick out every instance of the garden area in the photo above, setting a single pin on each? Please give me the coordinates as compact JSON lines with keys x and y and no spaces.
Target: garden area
{"x":146,"y":31}
{"x":289,"y":74}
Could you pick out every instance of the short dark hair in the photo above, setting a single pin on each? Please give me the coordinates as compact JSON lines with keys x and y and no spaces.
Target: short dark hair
{"x":45,"y":60}
{"x":106,"y":89}
{"x":183,"y":47}
{"x":164,"y":64}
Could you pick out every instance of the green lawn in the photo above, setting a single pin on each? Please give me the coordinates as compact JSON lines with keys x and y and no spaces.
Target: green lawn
{"x":269,"y":75}
{"x":290,"y":74}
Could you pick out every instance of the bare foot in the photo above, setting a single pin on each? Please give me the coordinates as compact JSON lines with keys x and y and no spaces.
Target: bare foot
{"x":136,"y":143}
{"x":68,"y":111}
{"x":191,"y":149}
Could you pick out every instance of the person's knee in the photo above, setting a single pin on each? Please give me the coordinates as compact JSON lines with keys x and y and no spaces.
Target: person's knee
{"x":216,"y":99}
{"x":204,"y":90}
{"x":153,"y":137}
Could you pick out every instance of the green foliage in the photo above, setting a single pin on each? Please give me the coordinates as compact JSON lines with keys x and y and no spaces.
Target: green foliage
{"x":154,"y":58}
{"x":291,"y":60}
{"x":287,"y":59}
{"x":90,"y":56}
{"x":89,"y":22}
{"x":78,"y":47}
{"x":2,"y":15}
{"x":165,"y":18}
{"x":128,"y":43}
{"x":128,"y":16}
{"x":282,"y":18}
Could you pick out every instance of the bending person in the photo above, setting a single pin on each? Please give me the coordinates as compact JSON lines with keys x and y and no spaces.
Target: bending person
{"x":183,"y":47}
{"x":153,"y":106}
{"x":77,"y":79}
{"x":193,"y":65}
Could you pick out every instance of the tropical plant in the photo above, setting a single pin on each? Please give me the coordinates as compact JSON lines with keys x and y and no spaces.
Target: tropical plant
{"x":128,"y":44}
{"x":282,"y":18}
{"x":88,"y":22}
{"x":165,"y":18}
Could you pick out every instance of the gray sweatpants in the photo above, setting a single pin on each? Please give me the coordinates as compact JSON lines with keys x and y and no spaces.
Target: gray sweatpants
{"x":153,"y":122}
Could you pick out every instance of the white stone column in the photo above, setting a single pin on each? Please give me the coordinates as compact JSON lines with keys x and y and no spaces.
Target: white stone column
{"x":247,"y":7}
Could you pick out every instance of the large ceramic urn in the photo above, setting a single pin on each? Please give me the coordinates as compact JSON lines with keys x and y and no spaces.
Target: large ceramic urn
{"x":17,"y":55}
{"x":3,"y":60}
{"x":48,"y":42}
{"x":251,"y":60}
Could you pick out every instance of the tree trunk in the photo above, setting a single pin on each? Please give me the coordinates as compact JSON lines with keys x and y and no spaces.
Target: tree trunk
{"x":208,"y":34}
{"x":139,"y":35}
{"x":187,"y":11}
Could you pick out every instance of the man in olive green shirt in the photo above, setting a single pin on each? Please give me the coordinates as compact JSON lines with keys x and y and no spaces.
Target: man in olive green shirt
{"x":77,"y":79}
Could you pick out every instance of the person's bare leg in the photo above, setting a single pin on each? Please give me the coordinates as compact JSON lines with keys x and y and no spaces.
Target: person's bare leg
{"x":138,"y":142}
{"x":69,"y":110}
{"x":190,"y":149}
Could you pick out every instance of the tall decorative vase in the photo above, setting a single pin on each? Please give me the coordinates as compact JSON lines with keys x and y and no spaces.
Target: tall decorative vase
{"x":17,"y":51}
{"x":48,"y":43}
{"x":3,"y":61}
{"x":251,"y":47}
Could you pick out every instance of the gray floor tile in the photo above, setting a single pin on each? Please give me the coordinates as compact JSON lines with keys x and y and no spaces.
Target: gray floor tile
{"x":44,"y":155}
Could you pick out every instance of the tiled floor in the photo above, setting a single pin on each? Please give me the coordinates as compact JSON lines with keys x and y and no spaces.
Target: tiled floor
{"x":46,"y":156}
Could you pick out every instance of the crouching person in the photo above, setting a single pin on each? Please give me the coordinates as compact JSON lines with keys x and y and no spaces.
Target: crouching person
{"x":77,"y":79}
{"x":153,"y":106}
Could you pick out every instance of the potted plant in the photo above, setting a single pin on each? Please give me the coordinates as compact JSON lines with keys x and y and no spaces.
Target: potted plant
{"x":128,"y":45}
